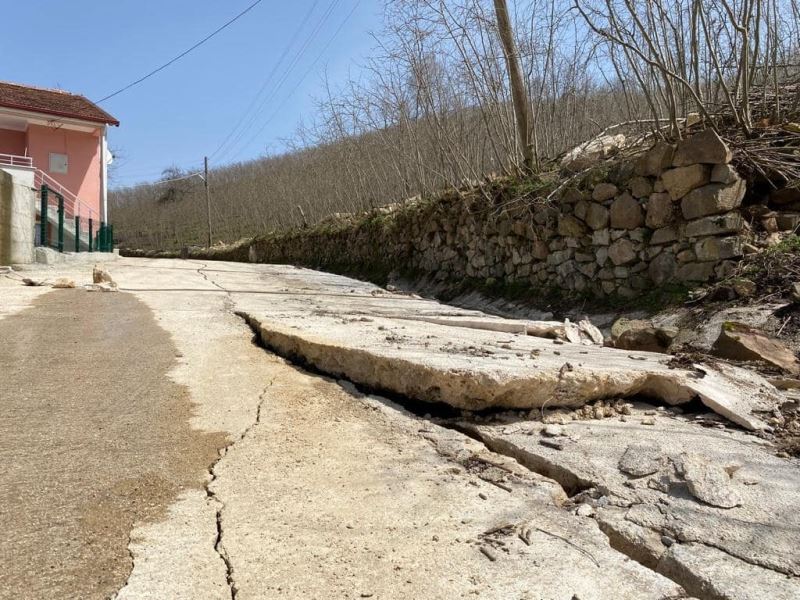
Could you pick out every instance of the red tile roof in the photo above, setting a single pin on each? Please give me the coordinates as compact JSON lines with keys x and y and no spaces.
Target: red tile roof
{"x":52,"y":102}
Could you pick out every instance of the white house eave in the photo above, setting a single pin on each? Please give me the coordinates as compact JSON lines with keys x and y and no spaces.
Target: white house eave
{"x":33,"y":118}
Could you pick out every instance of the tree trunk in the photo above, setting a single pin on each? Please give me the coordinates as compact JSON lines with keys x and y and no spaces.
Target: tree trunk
{"x":518,"y":93}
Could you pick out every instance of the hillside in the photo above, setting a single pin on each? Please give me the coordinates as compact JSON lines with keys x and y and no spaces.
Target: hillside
{"x":434,"y":109}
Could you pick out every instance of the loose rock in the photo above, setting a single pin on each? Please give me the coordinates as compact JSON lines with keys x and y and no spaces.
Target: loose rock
{"x":641,"y":459}
{"x":63,"y":283}
{"x":707,"y":482}
{"x":742,"y":342}
{"x":100,"y":275}
{"x":704,"y":147}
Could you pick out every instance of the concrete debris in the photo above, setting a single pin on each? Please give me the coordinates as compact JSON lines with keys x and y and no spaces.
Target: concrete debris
{"x":737,"y":394}
{"x":63,"y":283}
{"x":33,"y":282}
{"x":591,"y":332}
{"x":583,"y":332}
{"x":553,"y":431}
{"x":101,"y":275}
{"x":738,"y":341}
{"x":707,"y":481}
{"x":643,"y":459}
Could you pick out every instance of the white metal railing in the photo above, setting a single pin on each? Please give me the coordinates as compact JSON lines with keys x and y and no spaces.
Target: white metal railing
{"x":73,"y":207}
{"x":13,"y":160}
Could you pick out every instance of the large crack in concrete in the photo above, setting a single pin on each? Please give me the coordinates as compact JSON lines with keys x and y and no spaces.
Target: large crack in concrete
{"x":227,"y":301}
{"x":386,"y":376}
{"x":640,"y":539}
{"x":572,"y":482}
{"x":219,"y":546}
{"x":569,"y":482}
{"x":568,"y":375}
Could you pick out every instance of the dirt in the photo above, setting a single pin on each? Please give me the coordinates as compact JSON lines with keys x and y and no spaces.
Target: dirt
{"x":75,"y":479}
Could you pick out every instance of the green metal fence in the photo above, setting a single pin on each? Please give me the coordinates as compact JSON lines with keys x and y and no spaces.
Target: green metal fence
{"x":101,"y":240}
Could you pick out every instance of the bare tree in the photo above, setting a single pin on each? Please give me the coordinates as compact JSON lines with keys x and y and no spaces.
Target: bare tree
{"x":458,"y":92}
{"x":518,"y":91}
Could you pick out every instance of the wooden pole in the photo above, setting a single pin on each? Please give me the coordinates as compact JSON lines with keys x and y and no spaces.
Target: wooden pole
{"x":208,"y":199}
{"x":518,"y":93}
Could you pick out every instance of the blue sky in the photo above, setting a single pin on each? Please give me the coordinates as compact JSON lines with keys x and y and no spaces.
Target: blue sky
{"x":95,"y":47}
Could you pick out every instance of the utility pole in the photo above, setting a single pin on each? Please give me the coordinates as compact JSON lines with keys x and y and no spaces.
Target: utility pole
{"x":208,"y":199}
{"x":518,"y":93}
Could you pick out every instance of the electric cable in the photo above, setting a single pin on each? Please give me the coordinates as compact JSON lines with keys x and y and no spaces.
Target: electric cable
{"x":182,"y":54}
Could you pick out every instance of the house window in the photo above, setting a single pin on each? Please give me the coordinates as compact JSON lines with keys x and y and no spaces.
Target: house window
{"x":58,"y":163}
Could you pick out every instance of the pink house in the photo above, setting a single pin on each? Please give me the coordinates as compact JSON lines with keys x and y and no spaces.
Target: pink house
{"x":61,"y":138}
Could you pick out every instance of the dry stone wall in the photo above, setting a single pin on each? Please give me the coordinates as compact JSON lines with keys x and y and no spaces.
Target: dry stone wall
{"x":673,"y":215}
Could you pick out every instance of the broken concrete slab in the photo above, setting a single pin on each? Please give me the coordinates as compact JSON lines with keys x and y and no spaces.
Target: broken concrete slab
{"x":340,"y":327}
{"x":760,"y":531}
{"x":715,"y":575}
{"x":524,"y":374}
{"x":753,"y":397}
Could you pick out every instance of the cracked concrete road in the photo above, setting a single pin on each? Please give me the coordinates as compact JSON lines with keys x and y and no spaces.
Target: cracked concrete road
{"x":319,"y":491}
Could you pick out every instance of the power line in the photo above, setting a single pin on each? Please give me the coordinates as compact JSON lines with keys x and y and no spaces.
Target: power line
{"x":189,"y":176}
{"x":282,"y":80}
{"x":162,"y":181}
{"x":301,"y":80}
{"x":184,"y":53}
{"x":268,"y":79}
{"x":155,"y":171}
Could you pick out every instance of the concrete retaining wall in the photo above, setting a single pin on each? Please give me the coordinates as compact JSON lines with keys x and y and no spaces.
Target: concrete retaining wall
{"x":17,"y":217}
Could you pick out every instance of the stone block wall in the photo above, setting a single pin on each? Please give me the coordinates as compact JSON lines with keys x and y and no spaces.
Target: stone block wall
{"x":672,"y":215}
